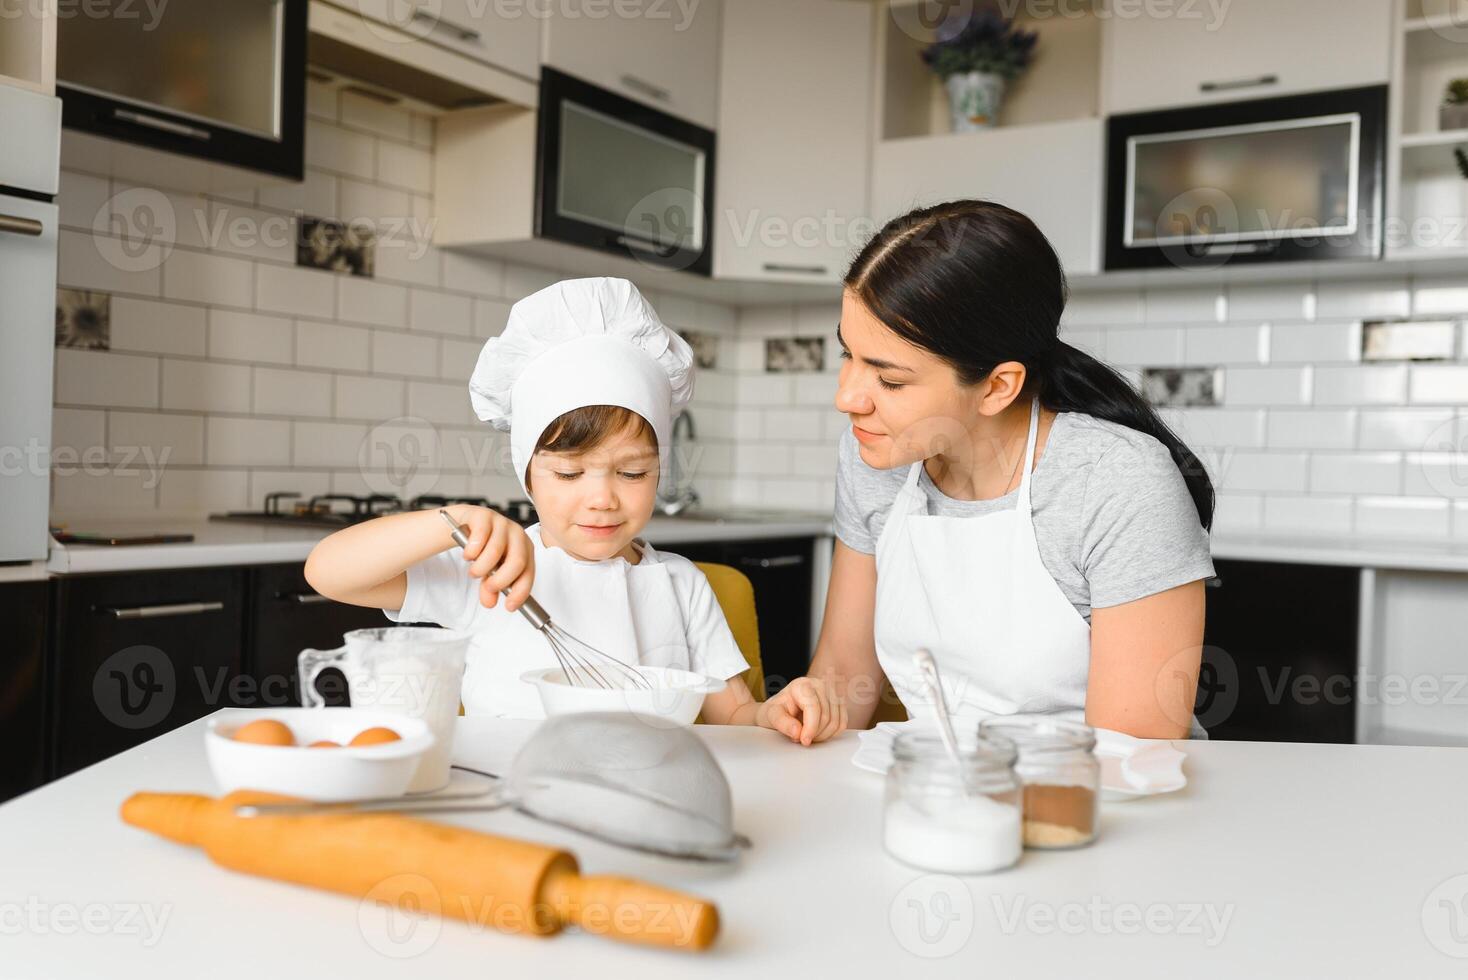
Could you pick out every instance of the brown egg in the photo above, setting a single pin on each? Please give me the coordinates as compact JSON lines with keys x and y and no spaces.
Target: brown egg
{"x":266,"y":731}
{"x":375,"y":736}
{"x":325,"y":743}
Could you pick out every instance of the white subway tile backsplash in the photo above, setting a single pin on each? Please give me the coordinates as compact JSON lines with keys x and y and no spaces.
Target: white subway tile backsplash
{"x":157,"y":328}
{"x":411,"y":259}
{"x":456,"y":359}
{"x":365,"y":301}
{"x":816,"y":390}
{"x":1439,"y":384}
{"x":1434,"y":297}
{"x":1412,"y":429}
{"x":475,"y":274}
{"x":281,"y":392}
{"x":80,"y":492}
{"x":1091,"y":341}
{"x":1282,"y":301}
{"x":1248,"y":469}
{"x":201,"y":277}
{"x":87,"y":377}
{"x":361,"y":111}
{"x":1460,"y":520}
{"x":201,"y":386}
{"x":338,"y":150}
{"x":490,"y":316}
{"x":763,"y":389}
{"x":423,"y":130}
{"x":1169,"y":306}
{"x":1348,"y":299}
{"x":321,"y":99}
{"x":331,"y":345}
{"x":85,"y":261}
{"x":817,"y":459}
{"x":1312,"y":429}
{"x":236,"y":336}
{"x":83,"y":200}
{"x":437,"y":312}
{"x":1314,"y":343}
{"x":1356,"y":473}
{"x":776,"y":320}
{"x":1226,"y":345}
{"x":385,"y":211}
{"x":1267,"y":386}
{"x":250,"y":233}
{"x":193,"y":492}
{"x":372,"y":399}
{"x":1307,"y":515}
{"x":443,"y":404}
{"x":1403,"y":517}
{"x":795,"y":425}
{"x":1364,"y":385}
{"x":1145,"y":346}
{"x":248,"y":442}
{"x":79,"y":430}
{"x":297,"y":292}
{"x":405,"y":166}
{"x":1443,"y":474}
{"x":1121,"y":307}
{"x":316,"y":196}
{"x":1238,"y":513}
{"x":333,"y":444}
{"x":403,"y":353}
{"x":800,"y":495}
{"x":1220,"y":427}
{"x":155,"y":440}
{"x":762,"y":459}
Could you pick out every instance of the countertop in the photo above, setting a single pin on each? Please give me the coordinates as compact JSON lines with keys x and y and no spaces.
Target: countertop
{"x":240,"y":543}
{"x":1359,"y":552}
{"x":1277,"y":860}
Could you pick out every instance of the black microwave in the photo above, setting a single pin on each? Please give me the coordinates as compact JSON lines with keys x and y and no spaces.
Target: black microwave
{"x":1298,"y":177}
{"x":615,"y":175}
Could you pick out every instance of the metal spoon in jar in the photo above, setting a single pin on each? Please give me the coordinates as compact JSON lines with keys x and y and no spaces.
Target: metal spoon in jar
{"x":928,"y":667}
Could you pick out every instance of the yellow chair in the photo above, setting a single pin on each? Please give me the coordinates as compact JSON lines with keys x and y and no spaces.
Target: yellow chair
{"x":736,"y":598}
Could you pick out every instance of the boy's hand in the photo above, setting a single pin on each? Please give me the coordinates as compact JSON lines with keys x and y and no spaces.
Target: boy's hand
{"x":499,"y":553}
{"x":806,"y":711}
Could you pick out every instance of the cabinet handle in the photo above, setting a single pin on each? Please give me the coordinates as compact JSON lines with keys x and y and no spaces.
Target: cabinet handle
{"x":647,"y":88}
{"x":780,"y":561}
{"x":1233,"y":83}
{"x":810,"y":270}
{"x":17,"y":225}
{"x":465,"y":33}
{"x":302,"y":598}
{"x":165,"y":125}
{"x":635,"y":244}
{"x":156,"y":612}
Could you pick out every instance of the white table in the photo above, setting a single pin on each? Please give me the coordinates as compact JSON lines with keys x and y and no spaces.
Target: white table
{"x":1278,"y":860}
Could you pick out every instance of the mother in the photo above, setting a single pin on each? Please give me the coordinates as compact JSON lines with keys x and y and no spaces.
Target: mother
{"x":1002,"y":498}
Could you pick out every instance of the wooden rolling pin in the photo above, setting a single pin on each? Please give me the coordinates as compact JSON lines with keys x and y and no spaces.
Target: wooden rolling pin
{"x":512,"y":885}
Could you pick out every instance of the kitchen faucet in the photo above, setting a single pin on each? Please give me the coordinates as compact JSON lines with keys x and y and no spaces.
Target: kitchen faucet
{"x":677,"y":497}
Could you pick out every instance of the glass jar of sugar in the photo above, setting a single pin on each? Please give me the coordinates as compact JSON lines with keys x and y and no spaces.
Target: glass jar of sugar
{"x":940,"y":818}
{"x":1061,"y":776}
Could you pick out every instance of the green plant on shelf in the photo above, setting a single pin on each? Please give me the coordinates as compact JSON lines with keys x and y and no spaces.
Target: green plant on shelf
{"x":1456,"y":92}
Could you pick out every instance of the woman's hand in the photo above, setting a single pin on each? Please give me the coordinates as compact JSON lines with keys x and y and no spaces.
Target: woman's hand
{"x":806,"y":711}
{"x":499,"y":553}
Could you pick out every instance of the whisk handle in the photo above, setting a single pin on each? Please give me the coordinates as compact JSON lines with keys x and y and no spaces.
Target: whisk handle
{"x":533,"y":611}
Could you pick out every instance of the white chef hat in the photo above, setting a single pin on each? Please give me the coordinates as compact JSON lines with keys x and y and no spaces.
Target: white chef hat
{"x":580,"y":342}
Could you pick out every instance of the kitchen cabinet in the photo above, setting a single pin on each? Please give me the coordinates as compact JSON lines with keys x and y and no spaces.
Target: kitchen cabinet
{"x":135,"y":655}
{"x":28,"y":48}
{"x":287,"y":616}
{"x":506,"y":36}
{"x":1280,"y":657}
{"x":1058,"y":186}
{"x":22,"y":687}
{"x":794,"y":139}
{"x":1250,"y":49}
{"x":1414,"y":658}
{"x":665,"y":55}
{"x":781,"y":571}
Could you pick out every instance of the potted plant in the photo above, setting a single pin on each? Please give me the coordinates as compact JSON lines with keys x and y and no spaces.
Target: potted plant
{"x":976,"y":56}
{"x":1453,"y":113}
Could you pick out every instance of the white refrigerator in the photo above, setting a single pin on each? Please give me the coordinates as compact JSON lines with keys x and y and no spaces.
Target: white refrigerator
{"x":29,"y":168}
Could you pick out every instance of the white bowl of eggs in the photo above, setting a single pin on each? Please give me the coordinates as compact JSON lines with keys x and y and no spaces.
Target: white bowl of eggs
{"x":321,"y":754}
{"x":672,"y":697}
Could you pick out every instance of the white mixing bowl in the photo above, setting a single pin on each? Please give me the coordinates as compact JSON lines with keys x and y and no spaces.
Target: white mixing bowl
{"x":675,"y":697}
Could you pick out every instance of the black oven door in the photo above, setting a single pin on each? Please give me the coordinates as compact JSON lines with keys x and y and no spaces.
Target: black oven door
{"x":1294,"y":178}
{"x":618,"y":176}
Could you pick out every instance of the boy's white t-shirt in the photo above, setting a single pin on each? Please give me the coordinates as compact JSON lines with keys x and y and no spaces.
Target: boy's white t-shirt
{"x":660,"y":612}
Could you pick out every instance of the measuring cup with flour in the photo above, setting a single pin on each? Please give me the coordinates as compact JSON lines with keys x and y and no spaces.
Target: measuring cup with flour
{"x":411,"y":670}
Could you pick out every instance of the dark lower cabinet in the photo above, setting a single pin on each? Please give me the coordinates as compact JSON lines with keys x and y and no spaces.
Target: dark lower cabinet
{"x":288,"y":616}
{"x":1280,"y":657}
{"x":22,"y":687}
{"x":780,"y":571}
{"x":138,"y":654}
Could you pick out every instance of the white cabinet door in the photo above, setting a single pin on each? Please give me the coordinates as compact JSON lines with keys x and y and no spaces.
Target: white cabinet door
{"x":505,"y":35}
{"x":658,"y":52}
{"x":794,"y":127}
{"x":1244,"y":49}
{"x":1050,"y":172}
{"x":27,"y":343}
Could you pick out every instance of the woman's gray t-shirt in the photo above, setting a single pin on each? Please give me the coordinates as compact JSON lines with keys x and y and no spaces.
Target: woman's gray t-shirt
{"x":1113,"y":518}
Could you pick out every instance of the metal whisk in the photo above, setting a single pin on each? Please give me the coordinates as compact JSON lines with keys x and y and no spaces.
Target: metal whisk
{"x":582,"y":664}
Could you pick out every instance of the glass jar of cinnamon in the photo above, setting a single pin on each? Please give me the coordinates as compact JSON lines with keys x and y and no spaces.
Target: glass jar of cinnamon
{"x":1061,"y":777}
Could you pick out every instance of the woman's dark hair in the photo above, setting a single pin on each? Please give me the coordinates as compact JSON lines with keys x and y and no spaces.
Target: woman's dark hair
{"x":977,"y":284}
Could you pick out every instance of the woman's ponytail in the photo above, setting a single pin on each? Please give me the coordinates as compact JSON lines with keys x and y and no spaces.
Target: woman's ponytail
{"x":1070,"y":380}
{"x":977,"y":284}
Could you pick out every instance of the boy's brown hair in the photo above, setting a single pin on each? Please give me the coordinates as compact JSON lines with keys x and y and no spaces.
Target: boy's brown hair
{"x":583,"y":429}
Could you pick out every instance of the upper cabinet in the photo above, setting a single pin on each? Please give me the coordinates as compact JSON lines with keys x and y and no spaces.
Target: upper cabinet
{"x":794,"y":139}
{"x":1245,"y":49}
{"x":506,"y":36}
{"x":28,"y":47}
{"x":660,"y":53}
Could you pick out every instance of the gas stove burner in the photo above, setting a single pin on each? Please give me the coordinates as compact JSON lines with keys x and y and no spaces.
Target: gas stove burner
{"x":333,"y":510}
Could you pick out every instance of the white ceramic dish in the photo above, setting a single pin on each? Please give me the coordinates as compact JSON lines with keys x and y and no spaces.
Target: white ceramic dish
{"x":676,"y":695}
{"x":344,"y":773}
